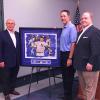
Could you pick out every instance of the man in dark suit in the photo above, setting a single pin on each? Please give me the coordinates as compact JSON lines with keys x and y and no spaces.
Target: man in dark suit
{"x":9,"y":59}
{"x":87,"y":56}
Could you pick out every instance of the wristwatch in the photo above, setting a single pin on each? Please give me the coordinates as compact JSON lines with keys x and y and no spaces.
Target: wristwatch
{"x":70,"y":58}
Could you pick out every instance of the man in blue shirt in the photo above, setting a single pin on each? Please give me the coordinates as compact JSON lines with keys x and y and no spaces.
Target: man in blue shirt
{"x":67,"y":45}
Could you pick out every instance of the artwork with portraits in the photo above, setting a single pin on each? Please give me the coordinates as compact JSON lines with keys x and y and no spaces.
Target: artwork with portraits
{"x":40,"y":46}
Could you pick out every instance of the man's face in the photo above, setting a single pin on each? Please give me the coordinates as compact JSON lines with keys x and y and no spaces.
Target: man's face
{"x":86,"y":20}
{"x":41,"y":39}
{"x":10,"y":24}
{"x":64,"y":17}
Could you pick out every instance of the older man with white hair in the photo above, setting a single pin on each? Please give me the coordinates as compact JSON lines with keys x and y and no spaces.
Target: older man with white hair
{"x":9,"y":58}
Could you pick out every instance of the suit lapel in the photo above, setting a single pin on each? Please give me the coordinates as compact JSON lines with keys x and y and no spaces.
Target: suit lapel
{"x":85,"y":33}
{"x":17,"y":39}
{"x":9,"y":38}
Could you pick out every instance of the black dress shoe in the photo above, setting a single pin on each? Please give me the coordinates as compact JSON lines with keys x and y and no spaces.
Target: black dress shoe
{"x":15,"y":93}
{"x":7,"y":97}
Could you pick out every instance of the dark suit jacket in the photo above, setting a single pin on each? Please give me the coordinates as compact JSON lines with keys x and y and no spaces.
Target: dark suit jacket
{"x":88,"y":50}
{"x":8,"y":53}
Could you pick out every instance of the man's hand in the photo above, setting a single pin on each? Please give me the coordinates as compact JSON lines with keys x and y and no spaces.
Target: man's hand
{"x":69,"y":62}
{"x":2,"y":64}
{"x":89,"y":67}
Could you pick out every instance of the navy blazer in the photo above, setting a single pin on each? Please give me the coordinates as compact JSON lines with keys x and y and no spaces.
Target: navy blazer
{"x":88,"y":50}
{"x":8,"y":53}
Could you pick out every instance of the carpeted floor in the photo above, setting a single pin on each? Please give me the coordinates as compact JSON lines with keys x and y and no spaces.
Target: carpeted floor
{"x":49,"y":93}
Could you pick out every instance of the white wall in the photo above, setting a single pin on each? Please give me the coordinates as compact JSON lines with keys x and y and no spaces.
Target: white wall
{"x":36,"y":13}
{"x":94,"y":7}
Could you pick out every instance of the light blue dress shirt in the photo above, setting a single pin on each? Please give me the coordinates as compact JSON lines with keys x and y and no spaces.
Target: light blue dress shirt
{"x":68,"y":36}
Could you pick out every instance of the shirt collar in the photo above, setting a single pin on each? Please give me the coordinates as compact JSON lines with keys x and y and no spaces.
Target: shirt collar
{"x":87,"y":27}
{"x":67,"y":24}
{"x":10,"y":31}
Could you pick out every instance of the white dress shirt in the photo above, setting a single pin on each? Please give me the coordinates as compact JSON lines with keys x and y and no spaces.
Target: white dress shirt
{"x":12,"y":35}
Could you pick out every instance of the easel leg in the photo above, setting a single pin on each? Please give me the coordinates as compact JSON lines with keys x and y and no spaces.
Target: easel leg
{"x":54,"y":76}
{"x":30,"y":81}
{"x":49,"y":73}
{"x":37,"y":74}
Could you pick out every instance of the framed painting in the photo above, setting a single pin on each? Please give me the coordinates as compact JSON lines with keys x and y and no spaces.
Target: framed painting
{"x":40,"y":46}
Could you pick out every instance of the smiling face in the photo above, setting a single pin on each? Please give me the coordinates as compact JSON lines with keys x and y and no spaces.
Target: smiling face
{"x":86,"y":19}
{"x":10,"y":24}
{"x":65,"y":18}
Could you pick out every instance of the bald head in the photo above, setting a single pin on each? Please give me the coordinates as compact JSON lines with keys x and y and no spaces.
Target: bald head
{"x":86,"y":19}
